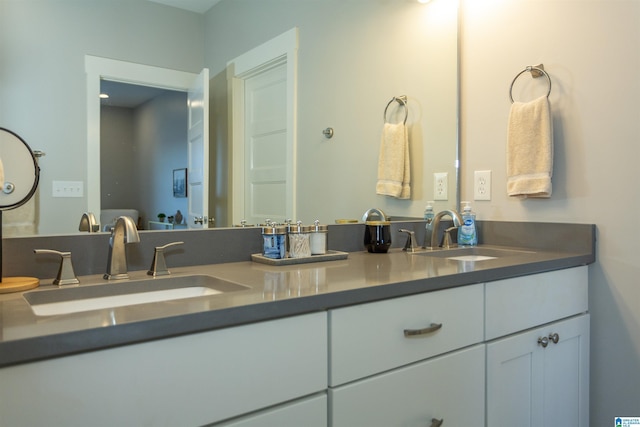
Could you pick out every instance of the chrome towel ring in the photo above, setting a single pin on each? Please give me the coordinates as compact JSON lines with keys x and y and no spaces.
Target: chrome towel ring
{"x":536,"y":71}
{"x":402,"y":100}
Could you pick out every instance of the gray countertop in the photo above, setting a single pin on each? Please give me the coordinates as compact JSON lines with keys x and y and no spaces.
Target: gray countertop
{"x":272,"y":292}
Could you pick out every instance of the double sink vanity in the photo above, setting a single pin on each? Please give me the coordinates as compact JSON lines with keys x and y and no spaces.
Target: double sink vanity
{"x":492,"y":335}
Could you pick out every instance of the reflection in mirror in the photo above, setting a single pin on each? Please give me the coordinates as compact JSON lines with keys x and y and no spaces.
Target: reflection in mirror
{"x":143,"y":133}
{"x":353,"y":57}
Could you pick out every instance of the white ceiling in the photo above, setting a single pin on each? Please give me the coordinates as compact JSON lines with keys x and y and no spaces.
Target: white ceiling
{"x":127,"y":95}
{"x":199,"y":6}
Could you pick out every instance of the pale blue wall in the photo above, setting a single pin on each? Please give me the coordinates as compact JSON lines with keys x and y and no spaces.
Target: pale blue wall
{"x":591,"y":50}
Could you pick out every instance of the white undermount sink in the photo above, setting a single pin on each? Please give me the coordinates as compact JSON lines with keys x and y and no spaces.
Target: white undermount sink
{"x":474,"y":253}
{"x":120,"y":294}
{"x":471,"y":257}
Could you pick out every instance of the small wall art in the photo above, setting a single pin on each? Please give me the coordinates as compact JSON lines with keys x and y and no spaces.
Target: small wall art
{"x":180,"y":182}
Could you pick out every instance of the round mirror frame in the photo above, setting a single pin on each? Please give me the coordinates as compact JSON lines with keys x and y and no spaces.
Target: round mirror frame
{"x":36,"y":179}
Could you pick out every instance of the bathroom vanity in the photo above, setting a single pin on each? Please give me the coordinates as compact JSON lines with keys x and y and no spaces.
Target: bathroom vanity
{"x":375,"y":339}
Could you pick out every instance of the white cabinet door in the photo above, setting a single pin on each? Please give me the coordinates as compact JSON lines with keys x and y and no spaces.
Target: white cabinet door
{"x":448,"y":388}
{"x":530,"y":385}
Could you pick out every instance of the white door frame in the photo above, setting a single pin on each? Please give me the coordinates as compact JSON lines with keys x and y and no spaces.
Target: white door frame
{"x":98,"y":68}
{"x":283,"y":48}
{"x":198,"y":157}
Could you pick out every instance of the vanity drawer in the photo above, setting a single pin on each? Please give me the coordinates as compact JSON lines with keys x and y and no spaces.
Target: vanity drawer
{"x":449,"y":388}
{"x":525,"y":302}
{"x":370,"y":338}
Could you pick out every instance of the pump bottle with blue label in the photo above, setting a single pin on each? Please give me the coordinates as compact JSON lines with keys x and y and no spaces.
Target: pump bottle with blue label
{"x":429,"y":214}
{"x":467,"y":235}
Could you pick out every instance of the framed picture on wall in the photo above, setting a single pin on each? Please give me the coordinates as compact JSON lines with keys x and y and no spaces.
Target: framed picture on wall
{"x":180,"y":182}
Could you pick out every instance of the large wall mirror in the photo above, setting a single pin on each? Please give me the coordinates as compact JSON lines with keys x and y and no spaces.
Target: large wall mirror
{"x":352,"y":58}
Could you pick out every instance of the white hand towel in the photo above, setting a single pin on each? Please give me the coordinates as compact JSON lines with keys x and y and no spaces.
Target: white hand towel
{"x":530,"y":149}
{"x":394,"y":170}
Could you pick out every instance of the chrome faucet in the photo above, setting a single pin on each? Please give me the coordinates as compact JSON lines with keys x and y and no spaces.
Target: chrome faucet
{"x":431,"y":240}
{"x":123,"y":232}
{"x":89,"y":223}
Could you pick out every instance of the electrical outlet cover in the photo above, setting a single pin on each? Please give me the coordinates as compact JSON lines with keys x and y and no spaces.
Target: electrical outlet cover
{"x":482,"y":185}
{"x":440,"y":186}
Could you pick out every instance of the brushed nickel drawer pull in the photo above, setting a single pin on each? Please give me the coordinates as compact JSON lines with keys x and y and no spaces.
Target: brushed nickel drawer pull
{"x":543,"y":341}
{"x":414,"y":332}
{"x":555,"y":338}
{"x":436,"y":422}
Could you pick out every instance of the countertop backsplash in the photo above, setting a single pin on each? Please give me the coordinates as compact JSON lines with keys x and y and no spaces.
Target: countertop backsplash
{"x":222,"y":245}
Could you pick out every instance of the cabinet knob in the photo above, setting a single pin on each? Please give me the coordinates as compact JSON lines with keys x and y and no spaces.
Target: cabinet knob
{"x":436,"y":422}
{"x":416,"y":332}
{"x":544,"y":341}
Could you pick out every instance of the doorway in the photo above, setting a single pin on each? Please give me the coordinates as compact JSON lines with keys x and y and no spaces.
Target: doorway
{"x":98,"y":69}
{"x":143,"y":137}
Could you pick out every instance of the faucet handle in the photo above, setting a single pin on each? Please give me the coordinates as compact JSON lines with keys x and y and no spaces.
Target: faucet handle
{"x":410,"y":245}
{"x":66,"y":275}
{"x":159,"y":265}
{"x":446,"y":239}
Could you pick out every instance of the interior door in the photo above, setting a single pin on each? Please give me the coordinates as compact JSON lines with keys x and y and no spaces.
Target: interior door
{"x":261,"y":186}
{"x":266,"y":158}
{"x":198,"y":164}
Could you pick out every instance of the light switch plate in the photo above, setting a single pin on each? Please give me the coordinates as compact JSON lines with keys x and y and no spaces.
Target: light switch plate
{"x":440,"y":186}
{"x":68,"y":189}
{"x":482,"y":185}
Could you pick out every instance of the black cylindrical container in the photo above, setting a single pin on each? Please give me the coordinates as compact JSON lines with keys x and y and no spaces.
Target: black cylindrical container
{"x":377,"y":236}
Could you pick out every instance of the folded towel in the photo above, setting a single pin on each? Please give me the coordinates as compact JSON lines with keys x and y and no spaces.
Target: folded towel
{"x":394,"y":171}
{"x":530,"y":149}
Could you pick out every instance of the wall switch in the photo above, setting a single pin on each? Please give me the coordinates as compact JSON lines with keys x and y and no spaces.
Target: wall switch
{"x":440,"y":186}
{"x":482,"y":185}
{"x":68,"y":189}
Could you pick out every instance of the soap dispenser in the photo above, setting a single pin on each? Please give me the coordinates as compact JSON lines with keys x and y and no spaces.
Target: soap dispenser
{"x":428,"y":213}
{"x":467,"y":235}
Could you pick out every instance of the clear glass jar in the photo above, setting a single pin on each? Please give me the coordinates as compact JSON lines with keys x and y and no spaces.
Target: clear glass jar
{"x":318,"y":238}
{"x":299,"y":246}
{"x":288,"y":223}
